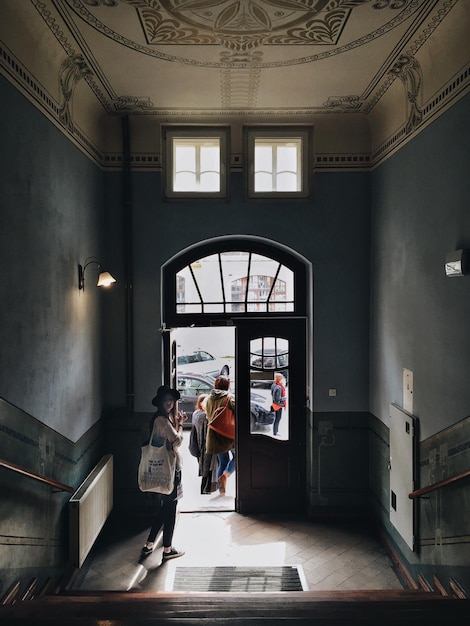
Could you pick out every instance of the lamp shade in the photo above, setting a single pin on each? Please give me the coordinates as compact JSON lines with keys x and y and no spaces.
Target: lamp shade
{"x":105,"y":279}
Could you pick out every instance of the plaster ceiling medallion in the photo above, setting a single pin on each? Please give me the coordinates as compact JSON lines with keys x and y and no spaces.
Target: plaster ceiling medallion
{"x":286,"y":31}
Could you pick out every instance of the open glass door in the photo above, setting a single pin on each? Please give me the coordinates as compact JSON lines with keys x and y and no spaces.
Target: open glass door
{"x":271,"y":445}
{"x":197,"y":357}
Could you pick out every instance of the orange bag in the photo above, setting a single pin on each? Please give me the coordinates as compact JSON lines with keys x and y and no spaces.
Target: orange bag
{"x":223,"y":421}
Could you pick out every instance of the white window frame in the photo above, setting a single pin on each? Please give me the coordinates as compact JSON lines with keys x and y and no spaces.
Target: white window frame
{"x":279,"y":136}
{"x":195,"y":136}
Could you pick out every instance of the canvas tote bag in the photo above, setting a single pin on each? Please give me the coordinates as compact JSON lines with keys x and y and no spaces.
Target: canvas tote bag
{"x":157,"y":467}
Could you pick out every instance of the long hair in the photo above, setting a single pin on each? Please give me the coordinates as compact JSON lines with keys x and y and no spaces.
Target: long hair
{"x":200,"y":402}
{"x":171,"y":414}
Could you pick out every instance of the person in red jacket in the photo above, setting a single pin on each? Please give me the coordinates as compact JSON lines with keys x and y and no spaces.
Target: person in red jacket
{"x":278,"y":395}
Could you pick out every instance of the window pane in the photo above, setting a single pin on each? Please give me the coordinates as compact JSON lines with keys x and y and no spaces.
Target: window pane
{"x":235,"y":282}
{"x":210,"y":181}
{"x":269,"y":356}
{"x":286,"y":181}
{"x":185,"y":181}
{"x":263,"y":182}
{"x":207,"y":276}
{"x":210,"y":158}
{"x":263,"y":157}
{"x":185,"y":158}
{"x":234,"y":271}
{"x":287,"y":158}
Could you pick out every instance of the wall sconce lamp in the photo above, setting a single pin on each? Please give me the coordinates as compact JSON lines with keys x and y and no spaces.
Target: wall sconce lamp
{"x":104,"y":278}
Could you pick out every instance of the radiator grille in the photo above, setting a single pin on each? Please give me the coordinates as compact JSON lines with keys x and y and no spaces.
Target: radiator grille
{"x":89,"y":508}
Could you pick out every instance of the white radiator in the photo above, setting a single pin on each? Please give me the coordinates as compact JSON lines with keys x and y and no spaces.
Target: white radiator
{"x":89,"y":508}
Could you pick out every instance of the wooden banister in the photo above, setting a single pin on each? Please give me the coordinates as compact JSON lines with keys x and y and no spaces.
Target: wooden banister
{"x":49,"y":481}
{"x":439,"y":485}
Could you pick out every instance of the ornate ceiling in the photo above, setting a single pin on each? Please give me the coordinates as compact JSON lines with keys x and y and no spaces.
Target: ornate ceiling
{"x":366,"y":73}
{"x":276,"y":56}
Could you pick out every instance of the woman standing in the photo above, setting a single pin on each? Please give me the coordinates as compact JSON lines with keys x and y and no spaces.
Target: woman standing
{"x":219,"y":395}
{"x":167,"y":430}
{"x":278,"y":395}
{"x":207,"y":463}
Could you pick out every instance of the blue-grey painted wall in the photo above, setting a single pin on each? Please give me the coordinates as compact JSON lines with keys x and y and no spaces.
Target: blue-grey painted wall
{"x":52,"y":217}
{"x":331,"y":230}
{"x":419,"y":317}
{"x":420,"y":321}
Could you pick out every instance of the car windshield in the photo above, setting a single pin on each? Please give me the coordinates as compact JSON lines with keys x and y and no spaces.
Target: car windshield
{"x":195,"y":357}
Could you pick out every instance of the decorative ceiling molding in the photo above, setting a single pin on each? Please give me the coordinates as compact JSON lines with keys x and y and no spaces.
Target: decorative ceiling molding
{"x":230,"y":24}
{"x":242,"y":25}
{"x":241,"y":39}
{"x":72,"y":70}
{"x":409,"y":72}
{"x":457,"y":87}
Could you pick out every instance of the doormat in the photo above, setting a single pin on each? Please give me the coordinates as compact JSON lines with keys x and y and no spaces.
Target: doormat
{"x":238,"y":579}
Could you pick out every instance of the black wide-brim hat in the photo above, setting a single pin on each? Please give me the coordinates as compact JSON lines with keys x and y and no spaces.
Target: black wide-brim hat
{"x":163,"y":391}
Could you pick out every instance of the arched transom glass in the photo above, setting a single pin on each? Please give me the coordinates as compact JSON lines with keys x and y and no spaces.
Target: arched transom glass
{"x":235,"y":282}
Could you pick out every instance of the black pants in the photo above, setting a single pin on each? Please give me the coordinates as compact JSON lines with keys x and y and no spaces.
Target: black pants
{"x":166,"y":515}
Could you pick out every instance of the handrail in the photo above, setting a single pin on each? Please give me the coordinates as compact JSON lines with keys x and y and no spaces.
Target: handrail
{"x":49,"y":481}
{"x":439,"y":485}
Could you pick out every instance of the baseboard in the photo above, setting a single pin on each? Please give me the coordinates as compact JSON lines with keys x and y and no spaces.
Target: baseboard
{"x":402,"y":570}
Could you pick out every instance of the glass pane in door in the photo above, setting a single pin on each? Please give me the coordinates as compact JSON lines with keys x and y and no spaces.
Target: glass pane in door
{"x":269,"y":375}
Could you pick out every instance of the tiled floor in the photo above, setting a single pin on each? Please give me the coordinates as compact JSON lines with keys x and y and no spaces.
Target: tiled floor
{"x":332,"y":556}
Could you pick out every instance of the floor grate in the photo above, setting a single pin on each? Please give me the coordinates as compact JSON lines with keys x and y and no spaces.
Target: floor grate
{"x":238,"y":579}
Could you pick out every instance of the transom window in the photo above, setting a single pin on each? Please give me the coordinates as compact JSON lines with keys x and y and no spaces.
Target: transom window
{"x":278,"y":162}
{"x":195,"y":161}
{"x":230,"y":277}
{"x":235,"y":282}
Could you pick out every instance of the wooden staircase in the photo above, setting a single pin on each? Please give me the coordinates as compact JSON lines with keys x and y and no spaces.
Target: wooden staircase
{"x":327,"y":608}
{"x":58,"y":605}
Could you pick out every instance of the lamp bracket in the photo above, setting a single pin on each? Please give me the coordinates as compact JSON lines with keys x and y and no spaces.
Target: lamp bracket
{"x":82,"y":268}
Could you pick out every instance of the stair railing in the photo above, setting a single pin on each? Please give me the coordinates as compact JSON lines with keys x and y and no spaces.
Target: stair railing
{"x":49,"y":481}
{"x":439,"y":485}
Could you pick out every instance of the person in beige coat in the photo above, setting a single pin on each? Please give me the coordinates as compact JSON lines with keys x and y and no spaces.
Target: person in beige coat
{"x":167,"y":429}
{"x":216,"y":399}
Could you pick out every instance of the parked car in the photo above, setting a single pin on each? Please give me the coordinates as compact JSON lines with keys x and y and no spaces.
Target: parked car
{"x":264,"y":363}
{"x":192,"y":385}
{"x":262,"y":418}
{"x":202,"y":362}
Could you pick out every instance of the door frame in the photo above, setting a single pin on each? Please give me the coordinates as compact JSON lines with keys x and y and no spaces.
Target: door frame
{"x":303,"y":308}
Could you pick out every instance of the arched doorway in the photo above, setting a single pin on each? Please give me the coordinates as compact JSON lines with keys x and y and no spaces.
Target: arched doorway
{"x":263,"y":291}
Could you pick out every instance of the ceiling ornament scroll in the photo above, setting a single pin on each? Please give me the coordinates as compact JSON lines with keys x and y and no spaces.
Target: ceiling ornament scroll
{"x":240,"y":38}
{"x":72,"y":70}
{"x":409,"y":72}
{"x":242,"y":26}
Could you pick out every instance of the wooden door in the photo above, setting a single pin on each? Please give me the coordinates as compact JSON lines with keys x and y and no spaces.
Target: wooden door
{"x":270,"y":469}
